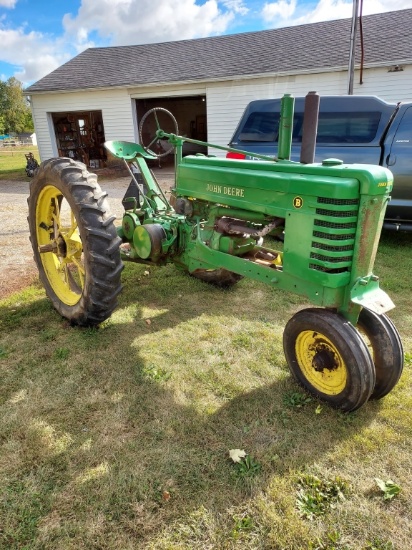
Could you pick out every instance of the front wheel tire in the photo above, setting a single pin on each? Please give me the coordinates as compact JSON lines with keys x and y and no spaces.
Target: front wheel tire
{"x":74,"y":240}
{"x":387,"y":351}
{"x":329,"y":358}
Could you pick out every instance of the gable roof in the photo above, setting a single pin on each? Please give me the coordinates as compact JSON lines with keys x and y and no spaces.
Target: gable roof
{"x":305,"y":48}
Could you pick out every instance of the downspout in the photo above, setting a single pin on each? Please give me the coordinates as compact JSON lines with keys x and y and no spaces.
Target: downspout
{"x":361,"y":42}
{"x":351,"y":68}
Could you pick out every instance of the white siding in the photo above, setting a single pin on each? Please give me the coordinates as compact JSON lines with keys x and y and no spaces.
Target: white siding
{"x":174,"y":90}
{"x":390,"y":86}
{"x":116,"y":106}
{"x":227,"y":101}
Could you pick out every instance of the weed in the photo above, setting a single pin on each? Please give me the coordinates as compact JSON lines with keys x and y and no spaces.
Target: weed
{"x":332,"y":541}
{"x":243,"y":340}
{"x":388,"y":488}
{"x":247,"y":467}
{"x":3,"y":353}
{"x":378,"y":544}
{"x":48,"y":334}
{"x":315,"y":496}
{"x":241,"y":525}
{"x":90,"y":332}
{"x":61,"y":353}
{"x":284,"y":417}
{"x":151,"y":372}
{"x":296,"y":400}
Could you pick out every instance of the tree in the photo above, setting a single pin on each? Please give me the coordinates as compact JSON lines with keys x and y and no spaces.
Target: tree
{"x":2,"y":124}
{"x":14,"y":109}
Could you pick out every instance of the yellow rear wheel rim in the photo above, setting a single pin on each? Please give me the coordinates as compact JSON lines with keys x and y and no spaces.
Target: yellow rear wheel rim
{"x":320,"y":362}
{"x":60,"y":246}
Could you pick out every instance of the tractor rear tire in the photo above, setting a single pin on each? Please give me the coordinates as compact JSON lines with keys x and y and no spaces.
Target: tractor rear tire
{"x":75,"y":242}
{"x":329,"y":358}
{"x":387,"y":351}
{"x":218,"y":277}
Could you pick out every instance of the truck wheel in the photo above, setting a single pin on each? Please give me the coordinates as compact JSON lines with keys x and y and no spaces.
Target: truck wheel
{"x":219,"y":277}
{"x":387,"y":351}
{"x":75,"y":243}
{"x":329,"y":358}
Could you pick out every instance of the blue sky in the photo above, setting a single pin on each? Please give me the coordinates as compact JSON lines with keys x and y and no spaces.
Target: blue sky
{"x":37,"y":36}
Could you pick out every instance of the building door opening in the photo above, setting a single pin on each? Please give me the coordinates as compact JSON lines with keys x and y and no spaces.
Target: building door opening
{"x":80,"y":136}
{"x":190,"y":114}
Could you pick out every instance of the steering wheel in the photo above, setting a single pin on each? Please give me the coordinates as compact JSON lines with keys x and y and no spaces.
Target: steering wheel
{"x":151,"y":119}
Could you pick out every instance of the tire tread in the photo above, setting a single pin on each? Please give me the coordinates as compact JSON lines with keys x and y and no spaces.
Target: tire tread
{"x":99,"y":236}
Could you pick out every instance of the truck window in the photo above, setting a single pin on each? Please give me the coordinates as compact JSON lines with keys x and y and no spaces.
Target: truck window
{"x":348,"y":127}
{"x":339,"y":127}
{"x":260,"y":127}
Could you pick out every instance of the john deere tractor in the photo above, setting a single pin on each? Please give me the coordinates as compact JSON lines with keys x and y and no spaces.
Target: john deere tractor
{"x":345,"y":350}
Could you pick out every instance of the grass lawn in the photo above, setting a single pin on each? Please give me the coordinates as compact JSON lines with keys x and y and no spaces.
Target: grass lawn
{"x":119,"y":437}
{"x":13,"y":162}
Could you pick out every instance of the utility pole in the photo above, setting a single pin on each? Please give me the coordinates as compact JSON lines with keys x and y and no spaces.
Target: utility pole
{"x":354,"y":26}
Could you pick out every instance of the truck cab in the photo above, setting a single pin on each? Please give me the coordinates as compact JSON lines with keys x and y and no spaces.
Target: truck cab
{"x":355,"y":129}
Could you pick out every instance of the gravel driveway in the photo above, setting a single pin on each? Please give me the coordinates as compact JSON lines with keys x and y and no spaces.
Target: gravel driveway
{"x":17,"y":267}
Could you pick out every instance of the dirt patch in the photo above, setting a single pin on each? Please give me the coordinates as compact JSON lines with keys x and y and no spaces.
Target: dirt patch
{"x":17,"y":267}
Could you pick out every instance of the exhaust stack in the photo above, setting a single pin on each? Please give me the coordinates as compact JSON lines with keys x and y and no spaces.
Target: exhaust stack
{"x":310,"y":128}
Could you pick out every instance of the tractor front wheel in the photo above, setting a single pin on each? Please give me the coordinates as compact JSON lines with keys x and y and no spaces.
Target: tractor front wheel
{"x":329,"y":358}
{"x":75,"y":243}
{"x":387,"y":351}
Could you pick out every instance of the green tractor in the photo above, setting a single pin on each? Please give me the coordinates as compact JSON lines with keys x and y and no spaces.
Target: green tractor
{"x":329,"y":216}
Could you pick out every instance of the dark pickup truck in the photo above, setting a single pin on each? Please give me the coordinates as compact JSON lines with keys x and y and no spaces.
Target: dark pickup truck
{"x":355,"y":129}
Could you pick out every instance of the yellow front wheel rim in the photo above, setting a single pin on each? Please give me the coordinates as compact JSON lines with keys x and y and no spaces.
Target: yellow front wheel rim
{"x":60,"y":246}
{"x":320,"y":362}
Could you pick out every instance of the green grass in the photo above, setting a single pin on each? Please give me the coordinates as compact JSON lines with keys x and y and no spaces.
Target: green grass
{"x":119,"y":437}
{"x":13,"y":162}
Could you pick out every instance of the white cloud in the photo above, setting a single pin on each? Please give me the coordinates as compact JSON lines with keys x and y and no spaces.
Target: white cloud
{"x":237,"y":6}
{"x":284,"y":13}
{"x":147,"y":21}
{"x":283,"y":9}
{"x":32,"y":53}
{"x":8,"y":3}
{"x":327,"y":10}
{"x":113,"y":22}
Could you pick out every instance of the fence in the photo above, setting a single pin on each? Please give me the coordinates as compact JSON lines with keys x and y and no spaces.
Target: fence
{"x":16,"y":143}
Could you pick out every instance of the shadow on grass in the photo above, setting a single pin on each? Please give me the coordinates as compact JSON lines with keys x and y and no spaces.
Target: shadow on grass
{"x":403,"y":238}
{"x":102,"y":447}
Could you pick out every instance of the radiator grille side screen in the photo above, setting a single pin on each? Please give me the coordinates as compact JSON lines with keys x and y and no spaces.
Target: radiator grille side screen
{"x":334,"y":235}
